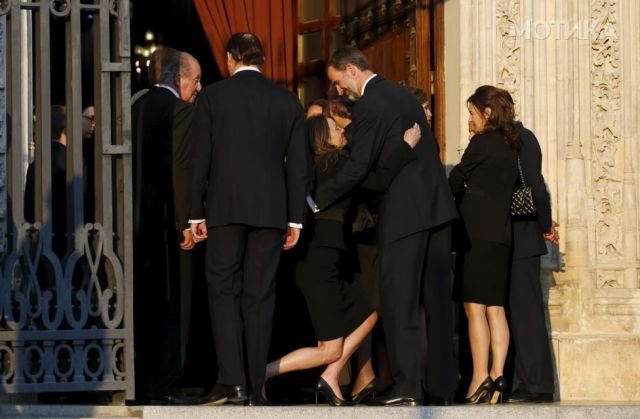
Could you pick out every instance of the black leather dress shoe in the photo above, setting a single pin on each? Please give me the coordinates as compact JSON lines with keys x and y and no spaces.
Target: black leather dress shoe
{"x":528,"y":397}
{"x":174,"y":400}
{"x":222,"y":393}
{"x":257,"y":401}
{"x":430,"y":400}
{"x":392,"y":400}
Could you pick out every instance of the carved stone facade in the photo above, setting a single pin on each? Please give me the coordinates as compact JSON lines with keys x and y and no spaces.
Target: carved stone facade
{"x":571,"y":67}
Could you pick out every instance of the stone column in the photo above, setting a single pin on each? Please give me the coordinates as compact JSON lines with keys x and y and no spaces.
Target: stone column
{"x":571,"y":67}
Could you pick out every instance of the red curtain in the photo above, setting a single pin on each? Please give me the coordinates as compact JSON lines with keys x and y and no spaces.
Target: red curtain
{"x":271,"y":20}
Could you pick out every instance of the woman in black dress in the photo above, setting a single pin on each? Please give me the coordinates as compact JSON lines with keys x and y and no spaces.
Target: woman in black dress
{"x":341,"y":320}
{"x":483,"y":182}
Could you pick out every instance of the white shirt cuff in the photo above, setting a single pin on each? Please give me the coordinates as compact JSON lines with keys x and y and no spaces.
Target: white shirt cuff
{"x":295,"y":225}
{"x":197,"y":221}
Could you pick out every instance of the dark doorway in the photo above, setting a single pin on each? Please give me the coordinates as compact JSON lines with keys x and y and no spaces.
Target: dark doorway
{"x":173,"y":23}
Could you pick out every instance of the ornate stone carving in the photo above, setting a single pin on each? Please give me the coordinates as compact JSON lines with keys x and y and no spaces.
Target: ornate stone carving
{"x":3,"y":139}
{"x":607,"y":161}
{"x":508,"y":53}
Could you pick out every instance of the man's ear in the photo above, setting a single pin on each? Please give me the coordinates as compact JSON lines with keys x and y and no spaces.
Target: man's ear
{"x":351,"y":69}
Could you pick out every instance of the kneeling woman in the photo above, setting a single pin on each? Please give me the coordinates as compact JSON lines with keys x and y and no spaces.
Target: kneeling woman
{"x":341,"y":321}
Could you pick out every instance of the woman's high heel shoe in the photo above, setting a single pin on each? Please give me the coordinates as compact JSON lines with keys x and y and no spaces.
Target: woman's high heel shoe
{"x":499,"y":388}
{"x":325,"y":389}
{"x":367,"y":391}
{"x":482,"y":394}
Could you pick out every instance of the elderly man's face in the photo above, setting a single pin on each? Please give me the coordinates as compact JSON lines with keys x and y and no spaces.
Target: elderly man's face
{"x":190,"y":85}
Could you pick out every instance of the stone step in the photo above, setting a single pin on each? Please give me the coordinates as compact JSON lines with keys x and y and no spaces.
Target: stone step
{"x":563,"y":410}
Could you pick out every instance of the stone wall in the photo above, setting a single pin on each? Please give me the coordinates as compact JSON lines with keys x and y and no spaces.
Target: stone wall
{"x":572,"y":67}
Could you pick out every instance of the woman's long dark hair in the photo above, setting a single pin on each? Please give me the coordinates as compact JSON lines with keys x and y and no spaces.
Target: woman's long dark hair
{"x":503,"y":111}
{"x":326,"y":153}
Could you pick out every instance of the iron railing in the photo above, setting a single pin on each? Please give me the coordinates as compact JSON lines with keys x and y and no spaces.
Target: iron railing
{"x":66,"y":321}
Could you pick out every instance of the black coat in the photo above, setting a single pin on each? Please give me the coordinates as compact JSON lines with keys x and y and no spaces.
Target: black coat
{"x":484,"y":181}
{"x":419,"y":197}
{"x":250,"y":154}
{"x":57,"y":194}
{"x":528,"y":231}
{"x":376,"y":181}
{"x":160,"y":121}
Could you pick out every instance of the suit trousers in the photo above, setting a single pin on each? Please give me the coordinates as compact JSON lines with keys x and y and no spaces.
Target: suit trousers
{"x":530,"y":347}
{"x":401,"y":272}
{"x":440,"y":368}
{"x":241,"y":267}
{"x":162,"y":297}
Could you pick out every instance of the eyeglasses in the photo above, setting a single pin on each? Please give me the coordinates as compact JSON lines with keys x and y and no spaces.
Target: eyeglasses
{"x":90,"y":118}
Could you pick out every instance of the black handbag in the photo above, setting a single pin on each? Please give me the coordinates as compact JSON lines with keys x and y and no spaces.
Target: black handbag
{"x":522,"y":200}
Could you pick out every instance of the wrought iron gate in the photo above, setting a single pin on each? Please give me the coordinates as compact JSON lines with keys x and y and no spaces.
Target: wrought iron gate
{"x":66,"y":321}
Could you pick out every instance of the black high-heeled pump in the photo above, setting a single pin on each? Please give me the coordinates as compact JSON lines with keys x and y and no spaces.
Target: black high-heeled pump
{"x":325,"y":389}
{"x":482,"y":394}
{"x":367,"y":391}
{"x":499,"y":388}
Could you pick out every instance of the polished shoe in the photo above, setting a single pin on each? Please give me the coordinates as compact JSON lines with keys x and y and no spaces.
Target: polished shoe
{"x":257,"y":401}
{"x":322,"y":387}
{"x":222,"y":393}
{"x":528,"y":397}
{"x":482,"y":394}
{"x":368,"y":391}
{"x":430,"y":400}
{"x":392,"y":398}
{"x":174,"y":400}
{"x":499,"y":389}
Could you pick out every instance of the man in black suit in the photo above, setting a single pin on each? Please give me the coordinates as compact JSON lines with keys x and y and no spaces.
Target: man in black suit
{"x":162,"y":237}
{"x":251,"y":163}
{"x":412,"y":212}
{"x":530,"y":347}
{"x":58,"y":188}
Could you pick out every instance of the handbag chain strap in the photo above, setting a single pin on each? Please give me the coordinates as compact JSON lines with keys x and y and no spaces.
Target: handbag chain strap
{"x":524,"y":185}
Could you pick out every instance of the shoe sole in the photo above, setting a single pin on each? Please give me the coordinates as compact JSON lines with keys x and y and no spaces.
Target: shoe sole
{"x":217,"y":402}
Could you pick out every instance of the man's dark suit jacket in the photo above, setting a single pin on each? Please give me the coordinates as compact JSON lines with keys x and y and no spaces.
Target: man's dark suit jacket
{"x":527,"y":231}
{"x":419,"y":197}
{"x":160,"y":122}
{"x":249,"y":145}
{"x":484,"y":181}
{"x":57,"y":194}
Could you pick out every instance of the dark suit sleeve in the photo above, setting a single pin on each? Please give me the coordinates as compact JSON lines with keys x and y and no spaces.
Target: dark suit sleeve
{"x":181,"y":163}
{"x":297,"y":172}
{"x":387,"y":169}
{"x":201,"y":137}
{"x":365,"y":148}
{"x":472,"y":157}
{"x":531,"y":160}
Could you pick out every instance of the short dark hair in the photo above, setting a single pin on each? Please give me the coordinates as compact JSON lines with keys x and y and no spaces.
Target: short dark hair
{"x":58,"y":121}
{"x":348,"y":55}
{"x":322,"y":103}
{"x":164,"y":66}
{"x":420,"y":94}
{"x":246,"y":48}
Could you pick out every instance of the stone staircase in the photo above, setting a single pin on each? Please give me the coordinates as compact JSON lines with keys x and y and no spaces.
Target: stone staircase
{"x":565,"y":410}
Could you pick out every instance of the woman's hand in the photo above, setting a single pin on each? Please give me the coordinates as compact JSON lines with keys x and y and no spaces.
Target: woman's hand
{"x":412,"y":135}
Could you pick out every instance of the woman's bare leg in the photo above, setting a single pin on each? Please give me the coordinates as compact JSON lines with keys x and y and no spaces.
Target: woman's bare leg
{"x":479,"y":339}
{"x":499,"y":339}
{"x":304,"y":358}
{"x":332,"y":373}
